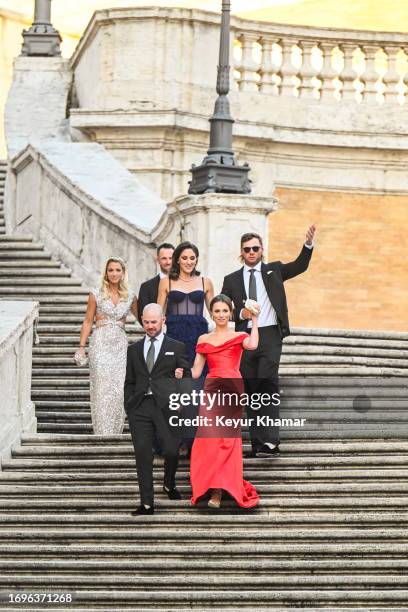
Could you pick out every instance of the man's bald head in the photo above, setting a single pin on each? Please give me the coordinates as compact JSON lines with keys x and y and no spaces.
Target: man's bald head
{"x":153,"y":319}
{"x":154,"y":309}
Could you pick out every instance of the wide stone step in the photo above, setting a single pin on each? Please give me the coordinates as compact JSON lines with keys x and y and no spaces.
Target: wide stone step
{"x":165,"y":581}
{"x":37,"y":283}
{"x":339,"y":370}
{"x":303,"y":487}
{"x":325,"y":432}
{"x":62,"y":319}
{"x":16,"y":238}
{"x":58,"y":393}
{"x":30,"y":265}
{"x":19,"y":247}
{"x":25,"y":256}
{"x":64,"y":302}
{"x":348,"y":333}
{"x":342,"y":447}
{"x":204,"y":519}
{"x":158,"y":534}
{"x":197,"y":548}
{"x":368,"y":361}
{"x":208,"y":607}
{"x":61,"y":310}
{"x":61,"y":417}
{"x":77,"y":428}
{"x":39,"y":292}
{"x":260,"y":476}
{"x":110,"y":466}
{"x":59,"y":375}
{"x":141,"y":582}
{"x":32,"y":275}
{"x":314,"y":342}
{"x":270,"y":503}
{"x":341,"y":352}
{"x":283,"y":567}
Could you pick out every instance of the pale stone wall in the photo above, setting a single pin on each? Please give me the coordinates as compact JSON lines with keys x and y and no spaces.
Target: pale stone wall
{"x":17,"y":411}
{"x":12,"y":23}
{"x":37,"y":102}
{"x":359,"y":271}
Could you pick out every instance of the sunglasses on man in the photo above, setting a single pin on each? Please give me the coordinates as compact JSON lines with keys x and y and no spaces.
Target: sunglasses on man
{"x":255,"y":249}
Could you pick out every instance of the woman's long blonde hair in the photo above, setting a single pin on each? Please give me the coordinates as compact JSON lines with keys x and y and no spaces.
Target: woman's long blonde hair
{"x":123,"y":284}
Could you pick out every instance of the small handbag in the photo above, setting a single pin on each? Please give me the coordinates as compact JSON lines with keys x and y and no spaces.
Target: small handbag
{"x":80,"y":360}
{"x":252,"y":306}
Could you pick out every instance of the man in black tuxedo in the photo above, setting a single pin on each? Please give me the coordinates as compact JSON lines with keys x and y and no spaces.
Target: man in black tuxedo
{"x":149,"y":289}
{"x":264,"y":284}
{"x":150,"y":380}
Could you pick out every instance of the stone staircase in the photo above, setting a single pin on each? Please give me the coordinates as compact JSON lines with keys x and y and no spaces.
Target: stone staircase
{"x":330,"y":533}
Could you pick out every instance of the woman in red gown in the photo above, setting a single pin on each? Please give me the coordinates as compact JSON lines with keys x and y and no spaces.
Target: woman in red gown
{"x":216,"y":462}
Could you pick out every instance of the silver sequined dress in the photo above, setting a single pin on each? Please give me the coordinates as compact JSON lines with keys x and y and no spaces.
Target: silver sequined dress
{"x":107,"y":365}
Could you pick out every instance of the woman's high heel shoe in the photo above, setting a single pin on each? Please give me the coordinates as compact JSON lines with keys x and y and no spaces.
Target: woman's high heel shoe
{"x":215,"y":499}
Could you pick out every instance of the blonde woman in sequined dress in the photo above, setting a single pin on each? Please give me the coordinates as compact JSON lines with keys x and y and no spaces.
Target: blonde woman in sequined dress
{"x":108,"y":308}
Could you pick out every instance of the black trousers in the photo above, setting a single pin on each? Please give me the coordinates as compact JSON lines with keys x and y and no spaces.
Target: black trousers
{"x":260,"y":370}
{"x":145,"y":422}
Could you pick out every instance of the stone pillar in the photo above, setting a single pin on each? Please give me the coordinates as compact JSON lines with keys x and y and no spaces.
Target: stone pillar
{"x":215,"y":223}
{"x":42,"y":39}
{"x":36,"y":107}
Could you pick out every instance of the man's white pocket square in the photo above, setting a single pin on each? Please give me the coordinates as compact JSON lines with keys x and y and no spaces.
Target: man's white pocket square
{"x":169,"y":353}
{"x":269,"y":271}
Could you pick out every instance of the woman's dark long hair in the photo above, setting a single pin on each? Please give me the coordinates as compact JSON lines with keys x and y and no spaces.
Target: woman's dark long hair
{"x":175,"y":266}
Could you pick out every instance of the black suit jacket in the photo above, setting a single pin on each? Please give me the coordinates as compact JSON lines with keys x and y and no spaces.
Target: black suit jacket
{"x":147,"y":295}
{"x":161,"y":379}
{"x":274,"y":274}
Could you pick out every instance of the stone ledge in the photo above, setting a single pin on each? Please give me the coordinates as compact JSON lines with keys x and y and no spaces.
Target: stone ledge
{"x":15,"y":319}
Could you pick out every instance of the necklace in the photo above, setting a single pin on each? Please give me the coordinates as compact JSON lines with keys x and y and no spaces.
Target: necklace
{"x":185,"y":280}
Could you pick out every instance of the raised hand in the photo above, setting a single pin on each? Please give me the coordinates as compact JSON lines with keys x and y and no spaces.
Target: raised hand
{"x":310,"y":234}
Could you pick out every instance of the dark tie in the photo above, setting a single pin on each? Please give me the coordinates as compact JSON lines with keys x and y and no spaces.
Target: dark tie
{"x":150,"y":355}
{"x":252,"y":286}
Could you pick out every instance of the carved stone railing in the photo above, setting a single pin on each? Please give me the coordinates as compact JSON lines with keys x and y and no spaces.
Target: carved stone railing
{"x":84,"y":207}
{"x":321,"y":64}
{"x":17,"y":411}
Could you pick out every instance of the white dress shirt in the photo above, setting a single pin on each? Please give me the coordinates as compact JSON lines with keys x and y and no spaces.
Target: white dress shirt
{"x":163,"y":275}
{"x":157,"y":345}
{"x":267,"y":315}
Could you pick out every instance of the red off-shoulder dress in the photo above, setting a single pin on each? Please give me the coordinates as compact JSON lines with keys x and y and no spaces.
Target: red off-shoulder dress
{"x":216,"y":462}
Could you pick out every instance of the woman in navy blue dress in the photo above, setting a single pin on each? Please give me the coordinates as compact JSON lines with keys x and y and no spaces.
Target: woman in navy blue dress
{"x":182,"y":296}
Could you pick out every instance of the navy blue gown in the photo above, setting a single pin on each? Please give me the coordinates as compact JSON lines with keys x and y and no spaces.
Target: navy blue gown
{"x":185,"y":322}
{"x":184,"y":317}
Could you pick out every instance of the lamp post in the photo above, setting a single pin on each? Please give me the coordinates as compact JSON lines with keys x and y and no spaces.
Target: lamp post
{"x":41,"y":39}
{"x":219,"y":171}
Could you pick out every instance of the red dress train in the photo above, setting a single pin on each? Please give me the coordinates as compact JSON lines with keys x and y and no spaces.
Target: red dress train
{"x":216,"y":462}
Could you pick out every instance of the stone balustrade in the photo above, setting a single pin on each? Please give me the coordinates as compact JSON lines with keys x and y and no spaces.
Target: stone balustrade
{"x":17,"y":411}
{"x":321,"y":64}
{"x":84,"y":206}
{"x":145,"y":88}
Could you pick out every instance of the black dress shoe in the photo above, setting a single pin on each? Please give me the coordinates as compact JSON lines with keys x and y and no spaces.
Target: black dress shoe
{"x":172,"y":493}
{"x":143,"y":510}
{"x":266,"y":451}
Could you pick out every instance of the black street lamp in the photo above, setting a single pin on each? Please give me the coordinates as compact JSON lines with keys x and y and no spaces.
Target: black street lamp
{"x":41,"y":39}
{"x":219,"y":171}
